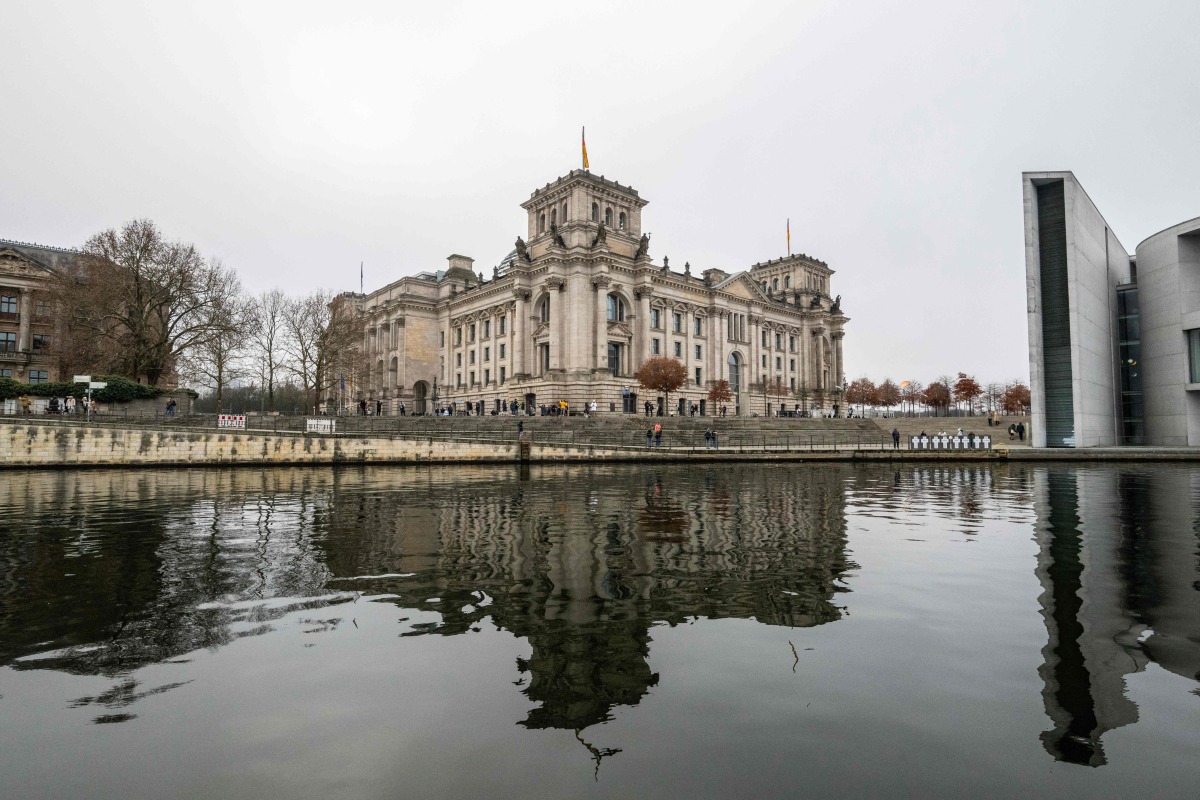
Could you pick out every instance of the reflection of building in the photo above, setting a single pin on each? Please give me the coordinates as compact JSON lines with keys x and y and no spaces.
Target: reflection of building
{"x":1117,"y":563}
{"x":572,"y":314}
{"x":1114,"y":339}
{"x":27,"y":318}
{"x":585,"y":591}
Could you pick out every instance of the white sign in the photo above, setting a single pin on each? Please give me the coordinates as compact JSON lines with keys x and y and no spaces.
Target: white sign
{"x":320,"y":425}
{"x":96,"y":384}
{"x":231,"y":421}
{"x":83,"y":379}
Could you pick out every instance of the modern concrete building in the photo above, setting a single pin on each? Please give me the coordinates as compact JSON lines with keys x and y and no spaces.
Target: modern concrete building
{"x":572,"y":314}
{"x":1114,"y":338}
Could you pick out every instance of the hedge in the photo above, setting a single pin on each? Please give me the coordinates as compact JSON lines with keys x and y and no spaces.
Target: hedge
{"x":119,"y":390}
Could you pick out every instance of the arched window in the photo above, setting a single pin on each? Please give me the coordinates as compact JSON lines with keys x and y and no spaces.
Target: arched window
{"x":621,"y":221}
{"x":608,"y":217}
{"x":787,"y":281}
{"x":544,"y":309}
{"x":616,"y":308}
{"x":541,"y":223}
{"x":735,"y":373}
{"x":595,"y":213}
{"x":554,"y":216}
{"x":775,"y":284}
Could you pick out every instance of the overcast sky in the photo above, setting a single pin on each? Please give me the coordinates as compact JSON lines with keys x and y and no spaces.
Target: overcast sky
{"x":294,"y":140}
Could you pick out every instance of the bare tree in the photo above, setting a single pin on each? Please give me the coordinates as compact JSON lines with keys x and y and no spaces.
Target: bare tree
{"x":321,"y":344}
{"x":142,"y":300}
{"x":269,"y":340}
{"x":218,"y":359}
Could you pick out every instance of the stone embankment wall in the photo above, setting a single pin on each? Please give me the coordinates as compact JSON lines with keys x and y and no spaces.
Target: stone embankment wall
{"x":31,"y":445}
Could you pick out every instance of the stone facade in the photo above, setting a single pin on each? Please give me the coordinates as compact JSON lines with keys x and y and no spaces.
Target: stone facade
{"x":27,"y":318}
{"x":573,"y":313}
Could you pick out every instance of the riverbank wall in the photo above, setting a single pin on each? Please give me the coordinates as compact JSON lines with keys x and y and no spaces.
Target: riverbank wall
{"x":66,"y":445}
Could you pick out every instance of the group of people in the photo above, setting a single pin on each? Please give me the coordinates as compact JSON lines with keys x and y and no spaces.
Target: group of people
{"x":67,"y":405}
{"x":693,"y":410}
{"x":367,"y":409}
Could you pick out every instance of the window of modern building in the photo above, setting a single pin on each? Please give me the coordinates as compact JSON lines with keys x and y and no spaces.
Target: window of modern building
{"x":655,"y":318}
{"x":655,"y":348}
{"x":697,"y":326}
{"x":503,"y":326}
{"x":677,"y":322}
{"x":41,"y":343}
{"x":39,"y":376}
{"x":503,"y":349}
{"x":8,"y":342}
{"x":616,"y":308}
{"x":698,"y":352}
{"x":1193,"y":348}
{"x":698,"y":381}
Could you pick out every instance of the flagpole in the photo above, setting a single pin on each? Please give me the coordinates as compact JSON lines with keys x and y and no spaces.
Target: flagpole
{"x":360,"y":277}
{"x":789,"y":236}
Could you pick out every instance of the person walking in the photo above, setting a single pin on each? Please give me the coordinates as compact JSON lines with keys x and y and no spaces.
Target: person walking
{"x":25,"y":404}
{"x":658,"y":434}
{"x":707,"y":438}
{"x":1021,"y":431}
{"x":520,"y":427}
{"x":895,"y":438}
{"x":403,"y":412}
{"x":1012,"y":431}
{"x":649,"y":437}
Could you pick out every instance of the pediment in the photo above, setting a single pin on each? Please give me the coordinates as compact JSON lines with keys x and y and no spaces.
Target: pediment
{"x":744,"y":288}
{"x":619,"y":329}
{"x":14,"y":262}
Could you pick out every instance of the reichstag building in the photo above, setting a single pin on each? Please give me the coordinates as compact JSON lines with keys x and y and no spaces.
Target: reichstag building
{"x":579,"y":305}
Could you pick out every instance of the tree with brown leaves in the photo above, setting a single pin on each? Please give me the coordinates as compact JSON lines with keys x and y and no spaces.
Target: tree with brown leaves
{"x":1016,"y":399}
{"x":662,"y":374}
{"x":720,"y":393}
{"x":966,"y":389}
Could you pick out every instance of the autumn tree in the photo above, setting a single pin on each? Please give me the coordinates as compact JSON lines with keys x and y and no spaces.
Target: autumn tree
{"x":966,"y":390}
{"x":720,"y":393}
{"x":145,"y":301}
{"x":936,"y":396}
{"x":662,"y":374}
{"x":887,"y":394}
{"x":863,"y":392}
{"x":1016,"y":399}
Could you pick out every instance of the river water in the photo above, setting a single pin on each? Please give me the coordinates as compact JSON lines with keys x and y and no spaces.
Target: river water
{"x":614,"y":631}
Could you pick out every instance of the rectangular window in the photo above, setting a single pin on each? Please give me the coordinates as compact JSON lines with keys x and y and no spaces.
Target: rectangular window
{"x":764,"y":339}
{"x":8,"y":342}
{"x":502,"y":373}
{"x":457,"y":336}
{"x":698,"y":352}
{"x":41,"y":343}
{"x":655,"y":319}
{"x":39,"y":376}
{"x":1193,"y":347}
{"x":503,"y":326}
{"x":5,"y":373}
{"x":654,"y":347}
{"x":779,"y":341}
{"x":699,"y":326}
{"x":764,"y":360}
{"x":8,"y":307}
{"x":679,"y":349}
{"x":778,"y":362}
{"x":458,"y":380}
{"x":487,"y":354}
{"x":472,"y":377}
{"x":471,"y":333}
{"x":698,"y":381}
{"x":791,"y":344}
{"x":487,"y":377}
{"x":487,"y":329}
{"x":502,"y":349}
{"x":42,"y":309}
{"x":472,"y":356}
{"x":792,"y":364}
{"x":443,"y":339}
{"x":677,"y":322}
{"x":458,"y":359}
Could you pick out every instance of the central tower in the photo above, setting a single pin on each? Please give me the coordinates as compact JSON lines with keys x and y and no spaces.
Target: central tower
{"x":577,"y":205}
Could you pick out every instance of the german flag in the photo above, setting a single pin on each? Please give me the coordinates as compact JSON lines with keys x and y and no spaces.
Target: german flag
{"x":584,"y":137}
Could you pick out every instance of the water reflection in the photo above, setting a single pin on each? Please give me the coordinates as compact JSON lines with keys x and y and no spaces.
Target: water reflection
{"x":1118,"y":562}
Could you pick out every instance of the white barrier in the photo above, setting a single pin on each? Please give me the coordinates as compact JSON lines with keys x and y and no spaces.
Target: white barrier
{"x":320,"y":425}
{"x":231,"y":421}
{"x":943,"y":442}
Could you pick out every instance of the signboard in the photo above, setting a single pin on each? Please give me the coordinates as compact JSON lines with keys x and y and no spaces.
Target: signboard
{"x":96,"y":384}
{"x":320,"y":425}
{"x":83,"y":379}
{"x":231,"y":421}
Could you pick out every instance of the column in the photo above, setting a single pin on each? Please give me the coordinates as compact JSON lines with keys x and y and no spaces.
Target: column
{"x":689,"y":363}
{"x":838,"y":377}
{"x":520,"y":332}
{"x":643,"y":328}
{"x":24,"y":340}
{"x":559,"y":337}
{"x":600,"y":322}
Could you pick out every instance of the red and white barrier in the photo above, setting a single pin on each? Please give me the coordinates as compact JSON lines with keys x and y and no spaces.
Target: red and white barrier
{"x":231,"y":421}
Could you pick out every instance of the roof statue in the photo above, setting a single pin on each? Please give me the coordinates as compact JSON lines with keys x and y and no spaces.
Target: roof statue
{"x":643,"y":245}
{"x":556,"y":236}
{"x":522,"y":249}
{"x":836,"y":308}
{"x":601,"y":236}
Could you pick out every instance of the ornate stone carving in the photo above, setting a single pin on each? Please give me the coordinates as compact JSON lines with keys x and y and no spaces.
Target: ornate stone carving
{"x":522,"y":250}
{"x":601,"y":282}
{"x":556,"y":283}
{"x":644,"y":247}
{"x":642,"y":291}
{"x":521,"y":293}
{"x":838,"y":335}
{"x":556,"y":237}
{"x":601,"y":236}
{"x":836,"y":308}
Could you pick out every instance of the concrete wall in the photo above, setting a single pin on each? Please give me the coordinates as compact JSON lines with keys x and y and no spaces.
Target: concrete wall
{"x":1169,"y":293}
{"x":1096,"y":264}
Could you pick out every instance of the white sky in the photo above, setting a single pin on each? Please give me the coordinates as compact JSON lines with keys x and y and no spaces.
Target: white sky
{"x":294,"y":140}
